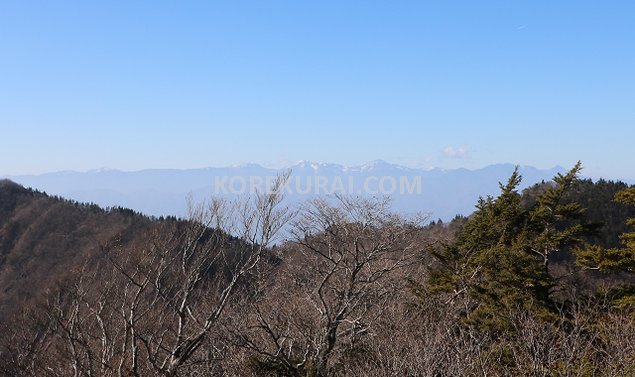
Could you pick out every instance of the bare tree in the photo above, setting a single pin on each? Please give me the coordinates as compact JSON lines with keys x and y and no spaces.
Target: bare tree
{"x":155,"y":307}
{"x":334,"y":285}
{"x":183,"y":299}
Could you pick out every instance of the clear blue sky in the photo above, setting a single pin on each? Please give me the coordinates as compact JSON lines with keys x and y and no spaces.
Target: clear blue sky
{"x":132,"y":84}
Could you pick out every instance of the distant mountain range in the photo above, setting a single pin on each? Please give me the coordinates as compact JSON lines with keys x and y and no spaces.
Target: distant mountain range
{"x":441,"y":193}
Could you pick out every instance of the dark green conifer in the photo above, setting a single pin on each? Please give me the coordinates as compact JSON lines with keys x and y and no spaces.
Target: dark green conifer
{"x":615,"y":260}
{"x":500,"y":261}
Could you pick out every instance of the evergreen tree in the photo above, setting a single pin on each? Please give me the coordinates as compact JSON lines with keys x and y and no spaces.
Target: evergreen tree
{"x":615,"y":260}
{"x":500,"y":261}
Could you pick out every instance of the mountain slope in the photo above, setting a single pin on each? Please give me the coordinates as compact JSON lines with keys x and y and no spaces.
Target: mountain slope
{"x":42,"y":239}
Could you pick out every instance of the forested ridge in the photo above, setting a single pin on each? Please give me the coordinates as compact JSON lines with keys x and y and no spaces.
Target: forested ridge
{"x":535,"y":283}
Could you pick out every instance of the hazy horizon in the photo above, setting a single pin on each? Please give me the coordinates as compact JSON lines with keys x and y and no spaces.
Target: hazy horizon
{"x":290,"y":165}
{"x":443,"y":193}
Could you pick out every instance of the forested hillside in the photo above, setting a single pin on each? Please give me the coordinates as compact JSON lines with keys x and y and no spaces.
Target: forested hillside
{"x":44,"y":239}
{"x":533,"y":283}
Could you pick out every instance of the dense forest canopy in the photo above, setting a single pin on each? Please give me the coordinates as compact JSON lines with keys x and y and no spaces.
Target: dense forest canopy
{"x":537,"y":282}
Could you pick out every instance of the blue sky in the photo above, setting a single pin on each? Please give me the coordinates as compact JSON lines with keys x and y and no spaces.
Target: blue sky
{"x":134,"y":85}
